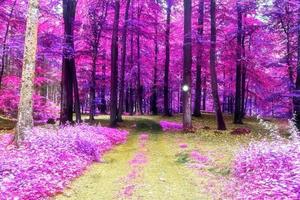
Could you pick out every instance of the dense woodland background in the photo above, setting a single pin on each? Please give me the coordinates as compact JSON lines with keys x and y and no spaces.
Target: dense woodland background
{"x":127,"y":57}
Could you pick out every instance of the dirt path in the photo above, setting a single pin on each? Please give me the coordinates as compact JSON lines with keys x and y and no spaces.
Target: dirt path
{"x":143,"y":168}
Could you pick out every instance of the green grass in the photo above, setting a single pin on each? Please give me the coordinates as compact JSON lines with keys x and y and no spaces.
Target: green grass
{"x":166,"y":175}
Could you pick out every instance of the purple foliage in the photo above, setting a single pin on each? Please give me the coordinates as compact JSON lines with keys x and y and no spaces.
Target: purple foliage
{"x":171,"y":126}
{"x":49,"y":159}
{"x":268,"y":170}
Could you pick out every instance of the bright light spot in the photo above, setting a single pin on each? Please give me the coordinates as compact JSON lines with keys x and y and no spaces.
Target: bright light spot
{"x":185,"y":88}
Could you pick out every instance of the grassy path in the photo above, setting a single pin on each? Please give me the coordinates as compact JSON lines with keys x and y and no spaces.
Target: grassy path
{"x":159,"y":175}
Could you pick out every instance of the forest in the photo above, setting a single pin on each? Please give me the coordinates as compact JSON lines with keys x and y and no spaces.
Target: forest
{"x":149,"y":99}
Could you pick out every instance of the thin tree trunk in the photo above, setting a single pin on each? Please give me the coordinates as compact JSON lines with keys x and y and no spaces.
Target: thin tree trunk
{"x":198,"y":89}
{"x":187,"y":65}
{"x":238,"y":81}
{"x":123,"y":62}
{"x":244,"y":77}
{"x":103,"y":87}
{"x":114,"y":68}
{"x":154,"y":88}
{"x":4,"y":53}
{"x":25,"y":114}
{"x":167,"y":62}
{"x":214,"y":82}
{"x":139,"y":86}
{"x":68,"y":68}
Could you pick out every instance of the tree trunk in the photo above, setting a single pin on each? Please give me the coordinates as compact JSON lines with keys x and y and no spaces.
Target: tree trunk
{"x":187,"y":65}
{"x":4,"y":48}
{"x":68,"y":68}
{"x":114,"y":68}
{"x":25,"y":114}
{"x":167,"y":63}
{"x":238,"y":81}
{"x":198,"y":89}
{"x":297,"y":92}
{"x":139,"y":86}
{"x":123,"y":62}
{"x":103,"y":87}
{"x":244,"y":77}
{"x":154,"y":88}
{"x":214,"y":81}
{"x":76,"y":97}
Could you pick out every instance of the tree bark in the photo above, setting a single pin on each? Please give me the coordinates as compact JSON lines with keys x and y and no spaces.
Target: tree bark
{"x":103,"y":87}
{"x":25,"y":114}
{"x":139,"y":86}
{"x":187,"y":65}
{"x":123,"y":62}
{"x":114,"y":68}
{"x":68,"y":68}
{"x":167,"y":62}
{"x":214,"y":81}
{"x":238,"y":81}
{"x":154,"y":88}
{"x":198,"y":89}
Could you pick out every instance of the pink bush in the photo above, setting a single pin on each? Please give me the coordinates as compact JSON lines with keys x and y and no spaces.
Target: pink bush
{"x":268,"y":170}
{"x":49,"y":159}
{"x":171,"y":126}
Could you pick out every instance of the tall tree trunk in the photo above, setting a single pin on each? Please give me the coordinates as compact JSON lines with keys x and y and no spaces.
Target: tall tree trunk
{"x":139,"y":86}
{"x":25,"y":115}
{"x":4,"y":47}
{"x":68,"y":68}
{"x":297,"y":92}
{"x":244,"y":77}
{"x":154,"y":88}
{"x":103,"y":87}
{"x":167,"y":62}
{"x":214,"y":80}
{"x":123,"y":62}
{"x":238,"y":81}
{"x":114,"y":68}
{"x":187,"y":65}
{"x":198,"y":89}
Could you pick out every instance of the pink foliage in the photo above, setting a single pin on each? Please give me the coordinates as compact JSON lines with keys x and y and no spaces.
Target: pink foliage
{"x":171,"y":126}
{"x":183,"y":145}
{"x":198,"y":157}
{"x":43,"y":109}
{"x":59,"y":157}
{"x":268,"y":170}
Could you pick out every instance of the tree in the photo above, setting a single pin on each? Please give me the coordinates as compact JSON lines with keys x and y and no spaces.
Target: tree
{"x":238,"y":86}
{"x":139,"y":96}
{"x":123,"y":62}
{"x":114,"y":68}
{"x":213,"y":73}
{"x":68,"y":67}
{"x":187,"y":65}
{"x":97,"y":18}
{"x":167,"y":62}
{"x":154,"y":87}
{"x":297,"y":87}
{"x":198,"y":89}
{"x":25,"y":114}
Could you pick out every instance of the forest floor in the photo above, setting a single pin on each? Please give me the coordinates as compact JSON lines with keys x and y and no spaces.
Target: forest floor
{"x":154,"y":165}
